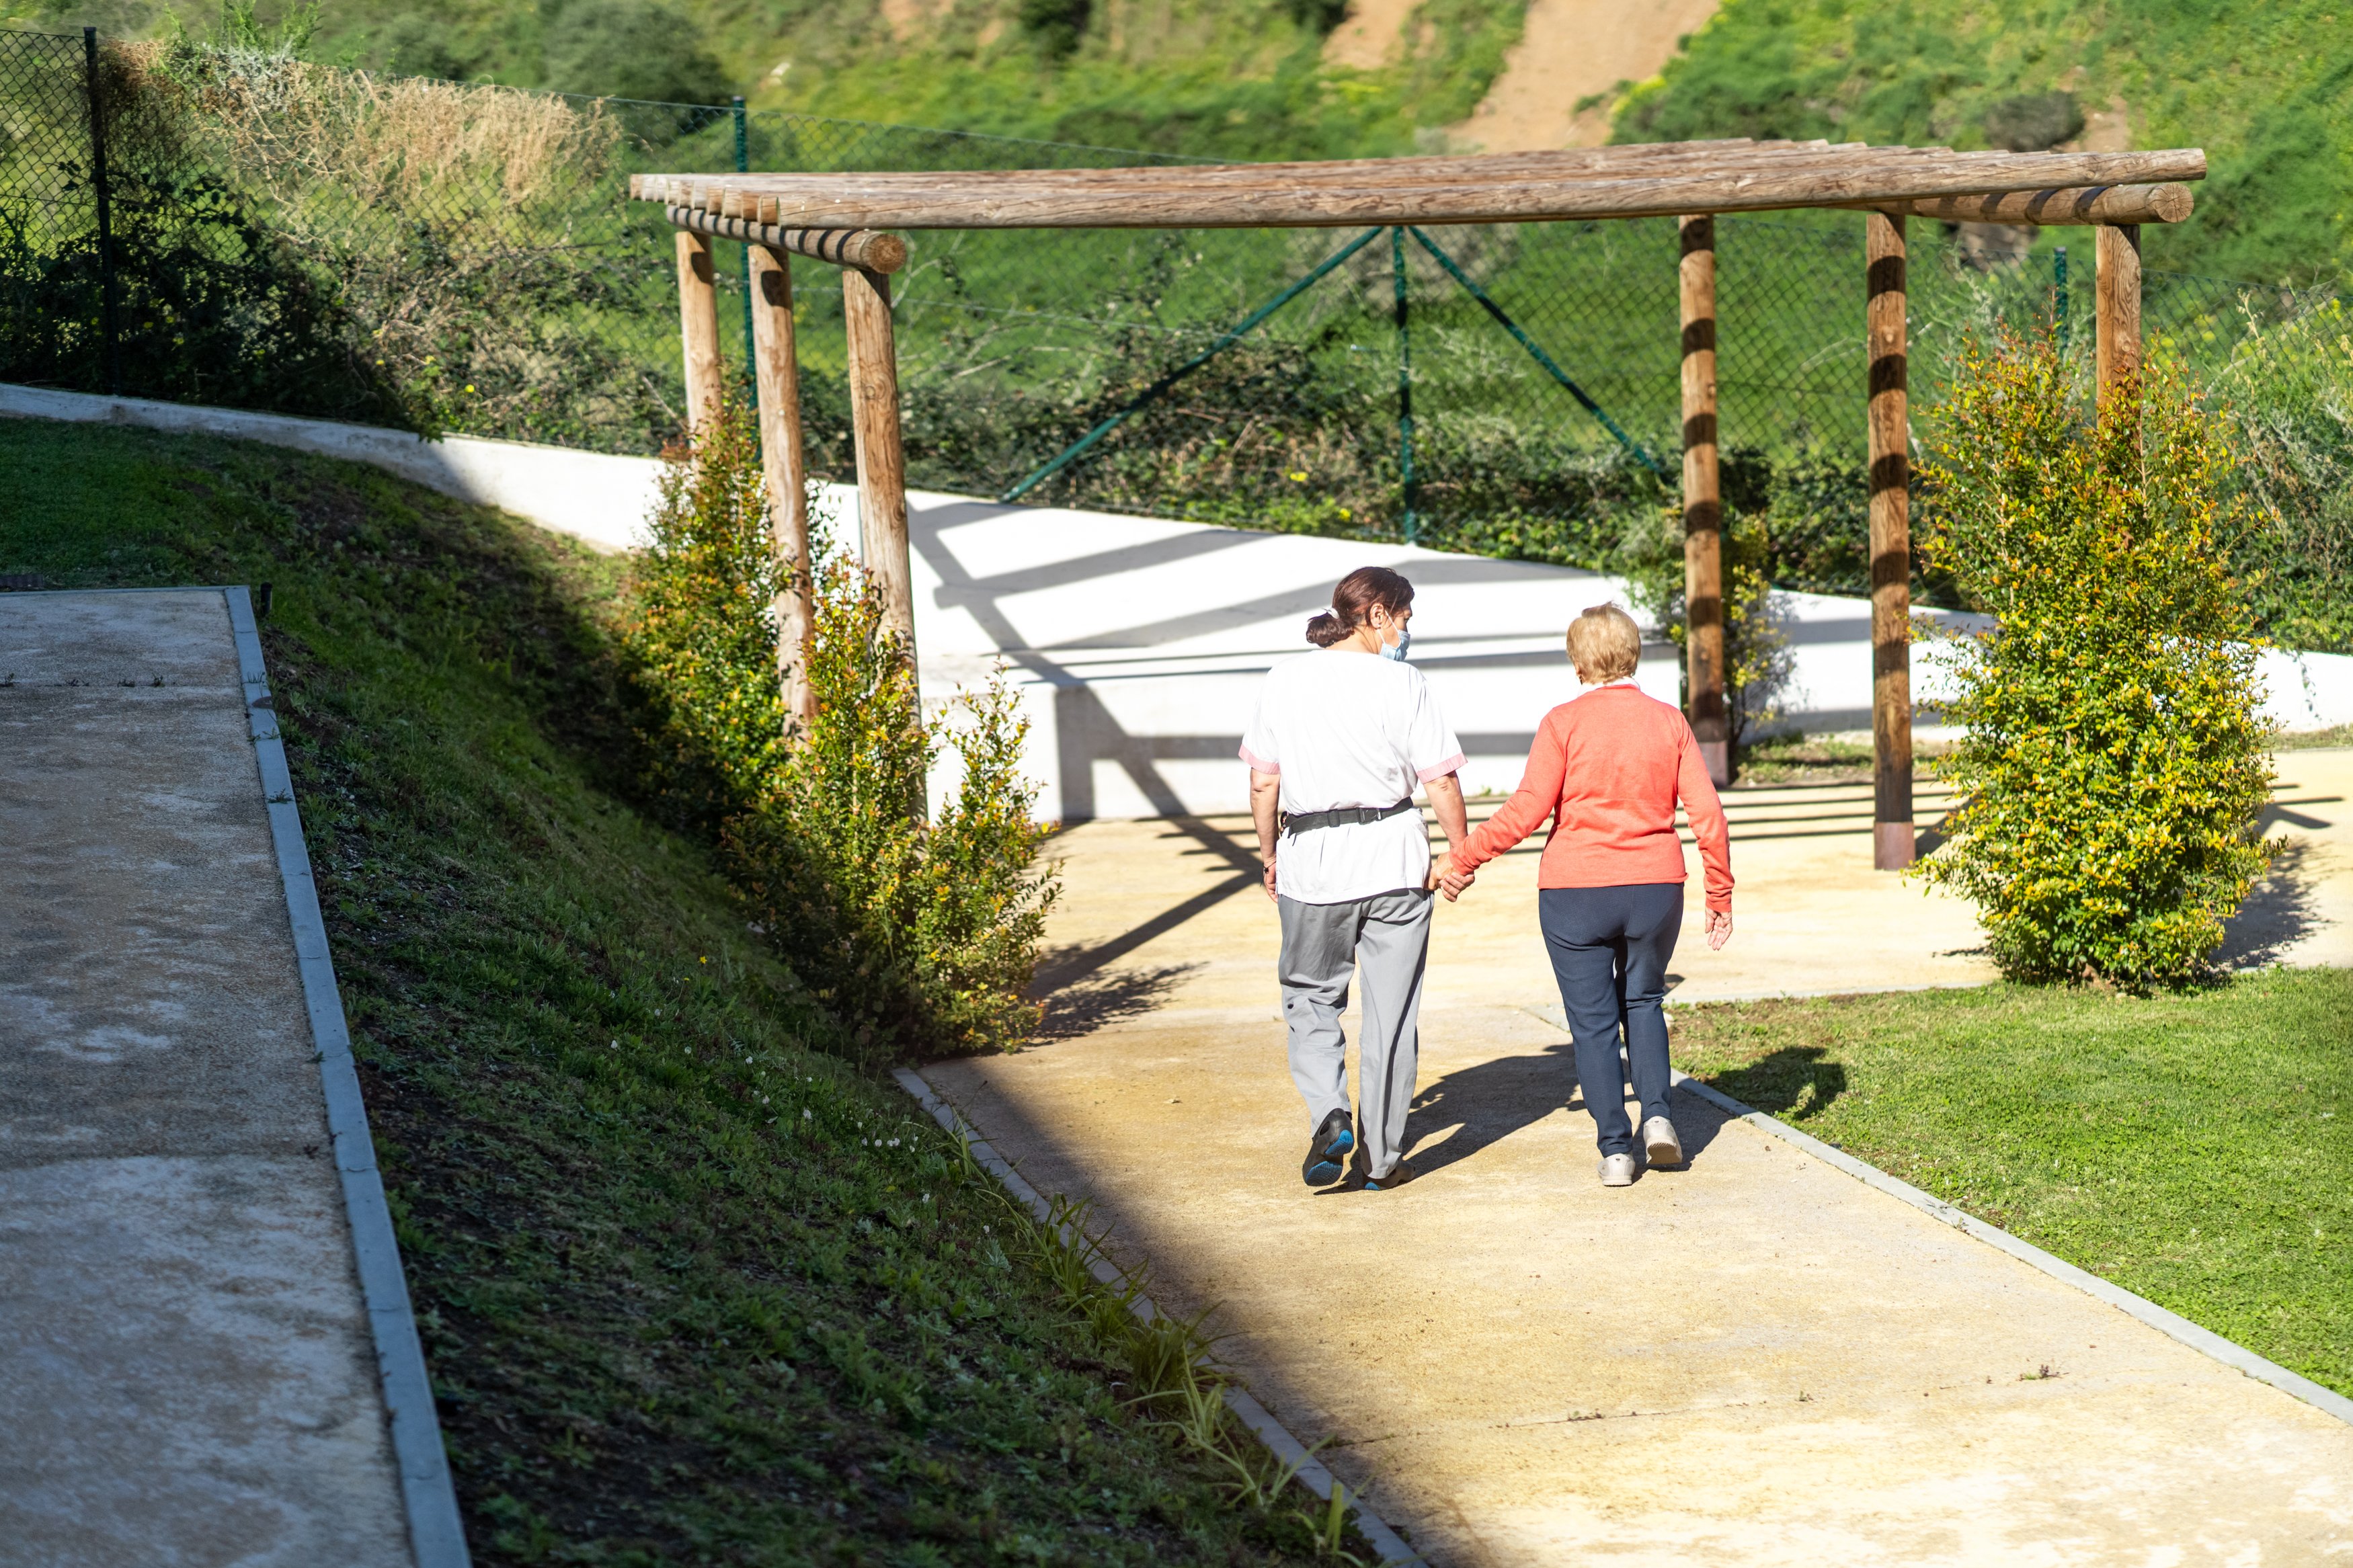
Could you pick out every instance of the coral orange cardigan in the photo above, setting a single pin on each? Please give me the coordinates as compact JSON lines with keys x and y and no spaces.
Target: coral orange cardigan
{"x":1608,"y":766}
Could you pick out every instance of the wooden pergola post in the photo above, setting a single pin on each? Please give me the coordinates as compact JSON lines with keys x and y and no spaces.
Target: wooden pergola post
{"x":882,"y":462}
{"x":1703,"y":504}
{"x":776,"y":376}
{"x":697,"y":327}
{"x":1893,"y":845}
{"x":2117,"y":296}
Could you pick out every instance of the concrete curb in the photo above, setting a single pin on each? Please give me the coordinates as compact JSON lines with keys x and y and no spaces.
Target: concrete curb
{"x":436,"y":1537}
{"x":2227,"y":1352}
{"x":1312,"y":1476}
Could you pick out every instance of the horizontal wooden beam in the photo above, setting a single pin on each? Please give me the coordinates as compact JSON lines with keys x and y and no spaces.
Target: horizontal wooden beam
{"x":2096,"y":204}
{"x":843,"y":247}
{"x":1407,"y":190}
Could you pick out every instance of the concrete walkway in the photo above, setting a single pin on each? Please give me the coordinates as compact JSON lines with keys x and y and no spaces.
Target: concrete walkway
{"x":1758,"y":1360}
{"x":187,"y":1372}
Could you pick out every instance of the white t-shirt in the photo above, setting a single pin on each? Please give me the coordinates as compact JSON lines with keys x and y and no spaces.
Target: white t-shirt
{"x":1342,"y":730}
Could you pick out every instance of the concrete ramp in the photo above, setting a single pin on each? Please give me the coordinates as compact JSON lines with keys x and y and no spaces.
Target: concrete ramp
{"x":193,"y":1236}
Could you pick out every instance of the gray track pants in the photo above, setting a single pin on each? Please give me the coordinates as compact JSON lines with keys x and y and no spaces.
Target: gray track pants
{"x":1387,"y":937}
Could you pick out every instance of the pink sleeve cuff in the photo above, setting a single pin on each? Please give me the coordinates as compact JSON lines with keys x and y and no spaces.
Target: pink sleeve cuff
{"x":1440,"y":770}
{"x":1259,"y":765}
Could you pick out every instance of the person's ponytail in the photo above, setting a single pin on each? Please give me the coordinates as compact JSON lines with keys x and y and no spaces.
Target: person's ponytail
{"x":1352,"y":602}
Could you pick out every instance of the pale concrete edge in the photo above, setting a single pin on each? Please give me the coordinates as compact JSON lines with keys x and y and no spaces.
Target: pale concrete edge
{"x":1311,"y":1476}
{"x":436,"y":1535}
{"x":2229,"y":1352}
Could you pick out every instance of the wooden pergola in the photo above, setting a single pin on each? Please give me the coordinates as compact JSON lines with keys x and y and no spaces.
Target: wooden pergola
{"x":843,"y":219}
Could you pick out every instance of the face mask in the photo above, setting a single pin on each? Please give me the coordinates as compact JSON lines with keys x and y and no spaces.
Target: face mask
{"x":1396,"y":649}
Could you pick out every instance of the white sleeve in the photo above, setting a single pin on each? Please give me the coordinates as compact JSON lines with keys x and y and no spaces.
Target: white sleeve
{"x":1430,"y":747}
{"x":1258,"y":747}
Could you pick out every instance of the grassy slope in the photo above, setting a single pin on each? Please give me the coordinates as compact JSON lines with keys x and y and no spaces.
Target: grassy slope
{"x":2267,"y":90}
{"x":690,"y":1290}
{"x":2196,"y":1149}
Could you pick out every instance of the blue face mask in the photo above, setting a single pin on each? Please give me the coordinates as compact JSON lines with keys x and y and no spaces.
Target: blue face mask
{"x":1396,"y":649}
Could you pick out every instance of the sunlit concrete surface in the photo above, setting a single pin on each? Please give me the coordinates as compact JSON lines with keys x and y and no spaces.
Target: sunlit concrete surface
{"x":186,"y":1374}
{"x":1756,"y":1361}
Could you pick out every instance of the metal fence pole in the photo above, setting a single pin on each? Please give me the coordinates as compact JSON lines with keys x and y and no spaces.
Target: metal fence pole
{"x":1405,"y":385}
{"x":743,"y":164}
{"x":2059,"y":295}
{"x":102,"y":192}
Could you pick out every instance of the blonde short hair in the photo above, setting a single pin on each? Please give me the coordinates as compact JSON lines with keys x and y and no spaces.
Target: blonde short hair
{"x":1604,"y":644}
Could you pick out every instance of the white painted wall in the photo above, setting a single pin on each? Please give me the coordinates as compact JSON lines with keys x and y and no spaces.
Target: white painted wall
{"x":1136,"y":644}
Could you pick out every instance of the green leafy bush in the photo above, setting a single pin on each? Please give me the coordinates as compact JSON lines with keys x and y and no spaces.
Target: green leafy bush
{"x":919,"y":930}
{"x":2114,"y":762}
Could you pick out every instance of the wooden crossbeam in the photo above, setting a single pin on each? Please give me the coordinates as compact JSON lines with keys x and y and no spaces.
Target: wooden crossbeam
{"x":1669,"y":179}
{"x":843,"y":247}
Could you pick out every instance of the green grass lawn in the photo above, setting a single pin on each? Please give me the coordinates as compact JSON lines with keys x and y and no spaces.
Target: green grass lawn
{"x":690,"y":1290}
{"x":2196,"y":1149}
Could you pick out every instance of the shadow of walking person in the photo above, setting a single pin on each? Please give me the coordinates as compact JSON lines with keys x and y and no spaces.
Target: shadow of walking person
{"x":1795,"y":1079}
{"x":1476,"y":1107}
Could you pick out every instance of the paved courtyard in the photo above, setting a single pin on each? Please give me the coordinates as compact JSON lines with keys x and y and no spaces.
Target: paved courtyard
{"x":1757,"y":1360}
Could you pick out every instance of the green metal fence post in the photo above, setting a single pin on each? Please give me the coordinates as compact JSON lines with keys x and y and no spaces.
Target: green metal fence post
{"x":1405,"y":385}
{"x":2059,"y":295}
{"x":1151,"y":394}
{"x":743,"y":164}
{"x":101,"y":190}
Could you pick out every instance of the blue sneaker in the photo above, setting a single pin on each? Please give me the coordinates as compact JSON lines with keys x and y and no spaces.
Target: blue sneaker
{"x":1327,"y":1152}
{"x":1395,"y":1176}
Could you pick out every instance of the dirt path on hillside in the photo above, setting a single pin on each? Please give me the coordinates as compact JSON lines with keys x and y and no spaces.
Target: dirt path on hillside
{"x":1569,"y":50}
{"x":1367,"y":36}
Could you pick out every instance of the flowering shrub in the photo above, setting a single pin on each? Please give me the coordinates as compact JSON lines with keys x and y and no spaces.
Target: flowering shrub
{"x":919,"y":933}
{"x":2115,"y":762}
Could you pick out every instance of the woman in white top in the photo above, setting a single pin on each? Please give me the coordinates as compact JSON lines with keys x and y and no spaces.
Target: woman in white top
{"x":1341,"y":738}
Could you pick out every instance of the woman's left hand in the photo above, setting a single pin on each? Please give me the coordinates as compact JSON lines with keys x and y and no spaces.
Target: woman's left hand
{"x":1444,"y":877}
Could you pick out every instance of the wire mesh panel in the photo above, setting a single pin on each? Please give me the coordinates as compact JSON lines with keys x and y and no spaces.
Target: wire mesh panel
{"x":52,"y":293}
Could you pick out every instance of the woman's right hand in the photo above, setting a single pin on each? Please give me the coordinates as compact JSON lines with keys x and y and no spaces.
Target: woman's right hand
{"x":1719,"y":928}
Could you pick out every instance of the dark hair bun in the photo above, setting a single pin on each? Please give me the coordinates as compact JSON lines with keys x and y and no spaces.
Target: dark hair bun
{"x":1352,"y":602}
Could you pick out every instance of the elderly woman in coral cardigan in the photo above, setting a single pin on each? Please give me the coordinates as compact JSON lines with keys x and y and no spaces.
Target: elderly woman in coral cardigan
{"x":1608,"y":766}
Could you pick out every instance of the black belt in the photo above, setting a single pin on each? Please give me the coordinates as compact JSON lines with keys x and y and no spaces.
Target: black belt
{"x":1346,"y":817}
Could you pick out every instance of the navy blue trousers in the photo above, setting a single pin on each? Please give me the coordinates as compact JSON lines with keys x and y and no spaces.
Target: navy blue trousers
{"x":1610,"y":948}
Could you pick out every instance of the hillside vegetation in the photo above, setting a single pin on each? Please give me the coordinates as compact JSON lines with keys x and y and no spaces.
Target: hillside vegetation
{"x":2266,"y":89}
{"x":692,"y":1290}
{"x":1244,"y":78}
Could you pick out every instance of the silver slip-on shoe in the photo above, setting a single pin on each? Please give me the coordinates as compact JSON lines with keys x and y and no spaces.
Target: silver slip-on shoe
{"x":1617,"y":1170}
{"x":1660,"y":1143}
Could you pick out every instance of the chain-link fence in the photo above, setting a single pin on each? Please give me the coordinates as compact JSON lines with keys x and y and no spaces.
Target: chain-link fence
{"x":457,"y":257}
